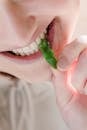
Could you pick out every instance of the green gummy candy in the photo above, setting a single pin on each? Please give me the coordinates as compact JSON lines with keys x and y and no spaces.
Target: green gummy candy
{"x":48,"y":53}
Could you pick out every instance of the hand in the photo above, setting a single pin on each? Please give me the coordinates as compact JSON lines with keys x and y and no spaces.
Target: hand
{"x":69,"y":81}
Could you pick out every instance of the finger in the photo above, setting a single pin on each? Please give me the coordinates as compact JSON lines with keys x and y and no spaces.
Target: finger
{"x":64,"y":92}
{"x":79,"y":73}
{"x":71,"y":52}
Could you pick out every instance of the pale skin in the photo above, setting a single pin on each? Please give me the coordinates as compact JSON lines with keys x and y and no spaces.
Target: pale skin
{"x":72,"y":102}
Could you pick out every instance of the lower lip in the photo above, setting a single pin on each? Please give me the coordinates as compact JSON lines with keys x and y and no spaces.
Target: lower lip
{"x":22,"y":59}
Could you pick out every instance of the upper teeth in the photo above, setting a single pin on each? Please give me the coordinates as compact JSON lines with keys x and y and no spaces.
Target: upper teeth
{"x":32,"y":48}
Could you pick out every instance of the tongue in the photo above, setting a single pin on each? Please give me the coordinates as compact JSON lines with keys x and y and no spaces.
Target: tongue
{"x":55,"y":36}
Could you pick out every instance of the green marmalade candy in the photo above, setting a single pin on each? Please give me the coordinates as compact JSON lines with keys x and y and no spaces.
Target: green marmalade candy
{"x":48,"y":53}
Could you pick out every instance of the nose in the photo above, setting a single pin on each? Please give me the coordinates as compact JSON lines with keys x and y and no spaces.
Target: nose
{"x":13,"y":32}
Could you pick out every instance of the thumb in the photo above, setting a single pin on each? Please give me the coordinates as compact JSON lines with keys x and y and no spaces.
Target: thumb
{"x":71,"y":52}
{"x":64,"y":91}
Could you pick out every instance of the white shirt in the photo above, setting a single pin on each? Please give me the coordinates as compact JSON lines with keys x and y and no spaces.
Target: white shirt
{"x":28,"y":107}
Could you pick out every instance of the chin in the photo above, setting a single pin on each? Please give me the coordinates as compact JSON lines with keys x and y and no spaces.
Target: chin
{"x":32,"y":79}
{"x":35,"y":73}
{"x":36,"y":78}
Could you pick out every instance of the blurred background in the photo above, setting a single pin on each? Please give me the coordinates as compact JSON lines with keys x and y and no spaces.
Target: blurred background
{"x":81,"y":27}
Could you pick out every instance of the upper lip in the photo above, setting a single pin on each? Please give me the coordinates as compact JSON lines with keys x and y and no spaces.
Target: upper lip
{"x":19,"y":46}
{"x":33,"y":38}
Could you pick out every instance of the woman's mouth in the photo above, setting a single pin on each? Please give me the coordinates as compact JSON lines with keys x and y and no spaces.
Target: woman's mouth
{"x":30,"y":52}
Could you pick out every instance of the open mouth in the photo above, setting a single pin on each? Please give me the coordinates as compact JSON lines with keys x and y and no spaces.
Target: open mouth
{"x":32,"y":51}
